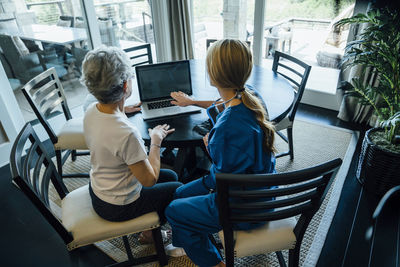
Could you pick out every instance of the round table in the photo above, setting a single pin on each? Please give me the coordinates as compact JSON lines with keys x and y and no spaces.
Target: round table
{"x":275,"y":90}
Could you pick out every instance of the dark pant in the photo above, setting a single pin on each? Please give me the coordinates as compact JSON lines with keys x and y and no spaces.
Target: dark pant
{"x":155,"y":198}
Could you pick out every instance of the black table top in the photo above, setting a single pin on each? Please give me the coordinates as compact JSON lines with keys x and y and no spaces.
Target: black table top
{"x":275,"y":90}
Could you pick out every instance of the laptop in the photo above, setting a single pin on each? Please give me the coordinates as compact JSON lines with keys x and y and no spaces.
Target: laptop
{"x":155,"y":84}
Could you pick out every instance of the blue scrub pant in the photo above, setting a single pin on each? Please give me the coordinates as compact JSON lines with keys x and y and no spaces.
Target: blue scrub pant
{"x":193,"y":215}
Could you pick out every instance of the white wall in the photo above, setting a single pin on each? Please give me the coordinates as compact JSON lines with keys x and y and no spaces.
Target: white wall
{"x":10,"y":116}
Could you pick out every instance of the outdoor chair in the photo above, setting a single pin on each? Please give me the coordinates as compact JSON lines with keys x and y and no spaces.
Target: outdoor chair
{"x":332,"y":49}
{"x":140,"y":54}
{"x":9,"y":24}
{"x":296,"y":72}
{"x":66,"y":21}
{"x":45,"y":95}
{"x":211,"y":41}
{"x":25,"y":64}
{"x":14,"y":82}
{"x":79,"y":224}
{"x":278,"y":38}
{"x":64,"y":54}
{"x":107,"y":31}
{"x":79,"y":55}
{"x":274,"y":199}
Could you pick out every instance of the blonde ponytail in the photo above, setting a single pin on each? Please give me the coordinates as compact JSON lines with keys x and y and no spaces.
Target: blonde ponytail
{"x":254,"y":104}
{"x":229,"y":65}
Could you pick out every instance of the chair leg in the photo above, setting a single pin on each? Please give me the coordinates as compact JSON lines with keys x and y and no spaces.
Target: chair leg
{"x":290,"y":141}
{"x":128,"y":248}
{"x":281,"y":260}
{"x":59,"y":161}
{"x":294,"y":255}
{"x":159,"y":245}
{"x":73,"y":155}
{"x":229,"y":248}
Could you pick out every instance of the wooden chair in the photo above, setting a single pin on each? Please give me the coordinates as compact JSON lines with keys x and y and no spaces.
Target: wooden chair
{"x":45,"y":95}
{"x":296,"y":72}
{"x":79,"y":224}
{"x":140,"y":54}
{"x":255,"y":198}
{"x":211,"y":41}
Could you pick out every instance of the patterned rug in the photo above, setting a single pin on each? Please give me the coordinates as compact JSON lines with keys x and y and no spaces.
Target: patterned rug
{"x":313,"y":144}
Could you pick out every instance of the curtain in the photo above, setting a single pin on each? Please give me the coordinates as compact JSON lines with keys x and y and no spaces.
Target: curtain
{"x":180,"y":25}
{"x":350,"y":108}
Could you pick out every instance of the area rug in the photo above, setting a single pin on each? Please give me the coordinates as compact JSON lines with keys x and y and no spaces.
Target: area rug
{"x":313,"y":144}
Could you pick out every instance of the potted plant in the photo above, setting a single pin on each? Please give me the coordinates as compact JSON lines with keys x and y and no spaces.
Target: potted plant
{"x":378,"y":49}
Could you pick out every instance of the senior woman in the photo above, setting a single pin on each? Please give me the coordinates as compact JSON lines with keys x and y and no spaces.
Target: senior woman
{"x":125,"y":181}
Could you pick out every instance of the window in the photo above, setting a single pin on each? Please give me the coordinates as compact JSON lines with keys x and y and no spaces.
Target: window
{"x":217,"y":19}
{"x":38,"y":35}
{"x":124,"y":23}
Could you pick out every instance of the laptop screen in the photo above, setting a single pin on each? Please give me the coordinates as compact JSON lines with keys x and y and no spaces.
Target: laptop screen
{"x":157,"y":81}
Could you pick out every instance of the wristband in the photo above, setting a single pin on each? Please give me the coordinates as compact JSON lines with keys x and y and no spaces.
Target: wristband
{"x":159,"y":146}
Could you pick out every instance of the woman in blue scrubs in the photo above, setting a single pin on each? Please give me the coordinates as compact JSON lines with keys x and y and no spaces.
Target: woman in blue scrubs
{"x":241,"y":141}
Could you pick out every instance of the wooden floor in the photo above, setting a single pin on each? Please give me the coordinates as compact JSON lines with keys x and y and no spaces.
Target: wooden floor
{"x":29,"y":241}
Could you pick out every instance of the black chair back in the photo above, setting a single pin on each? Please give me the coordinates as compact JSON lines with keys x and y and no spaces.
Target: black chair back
{"x":250,"y":198}
{"x":33,"y":172}
{"x":296,"y":72}
{"x":45,"y":95}
{"x":140,"y":55}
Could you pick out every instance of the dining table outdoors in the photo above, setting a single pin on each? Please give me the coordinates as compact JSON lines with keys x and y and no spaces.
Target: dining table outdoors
{"x":48,"y":33}
{"x":274,"y":89}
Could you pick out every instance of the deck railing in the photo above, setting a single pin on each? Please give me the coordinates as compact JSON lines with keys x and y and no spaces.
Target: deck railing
{"x":56,"y":2}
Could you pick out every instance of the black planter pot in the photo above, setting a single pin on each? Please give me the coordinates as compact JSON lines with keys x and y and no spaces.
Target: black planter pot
{"x":378,"y":169}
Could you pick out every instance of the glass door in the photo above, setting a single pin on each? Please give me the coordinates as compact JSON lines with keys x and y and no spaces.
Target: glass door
{"x":125,"y":23}
{"x":36,"y":35}
{"x":217,"y":19}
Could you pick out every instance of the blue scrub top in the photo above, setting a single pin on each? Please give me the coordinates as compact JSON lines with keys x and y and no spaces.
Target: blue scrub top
{"x":235,"y":144}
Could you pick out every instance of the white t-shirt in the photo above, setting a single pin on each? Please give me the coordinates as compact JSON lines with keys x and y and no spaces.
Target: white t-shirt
{"x":114,"y":143}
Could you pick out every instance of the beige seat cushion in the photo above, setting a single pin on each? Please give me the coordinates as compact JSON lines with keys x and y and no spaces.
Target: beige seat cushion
{"x":21,"y":47}
{"x":71,"y":135}
{"x":274,"y":236}
{"x":79,"y":218}
{"x":283,"y":124}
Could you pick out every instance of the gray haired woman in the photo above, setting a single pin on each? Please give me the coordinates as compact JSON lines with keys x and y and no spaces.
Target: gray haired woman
{"x":125,"y":181}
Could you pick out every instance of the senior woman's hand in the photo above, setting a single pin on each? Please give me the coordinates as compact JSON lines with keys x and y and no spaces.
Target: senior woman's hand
{"x":133,"y":108}
{"x":158,"y":133}
{"x":181,"y":99}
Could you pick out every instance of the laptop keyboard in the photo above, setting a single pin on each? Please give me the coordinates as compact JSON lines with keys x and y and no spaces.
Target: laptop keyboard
{"x":160,"y":104}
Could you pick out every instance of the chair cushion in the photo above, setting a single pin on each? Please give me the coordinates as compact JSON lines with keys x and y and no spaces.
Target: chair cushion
{"x":330,"y":57}
{"x":71,"y":135}
{"x":79,"y":218}
{"x":64,"y":23}
{"x":15,"y":83}
{"x":283,"y":124}
{"x":21,"y":47}
{"x":61,"y":71}
{"x":274,"y":236}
